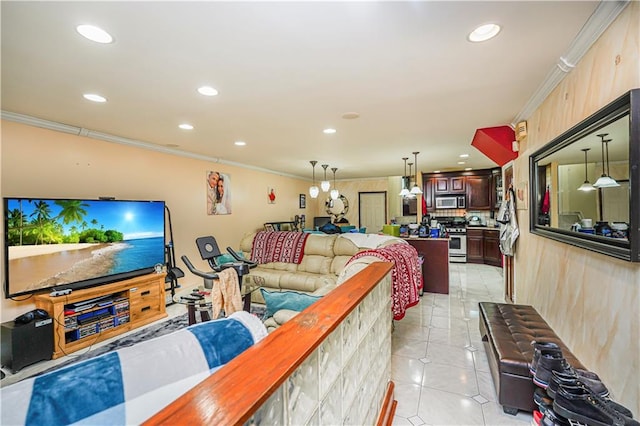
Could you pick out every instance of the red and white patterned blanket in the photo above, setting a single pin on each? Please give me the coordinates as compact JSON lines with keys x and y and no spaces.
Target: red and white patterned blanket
{"x":406,"y":275}
{"x":278,"y":246}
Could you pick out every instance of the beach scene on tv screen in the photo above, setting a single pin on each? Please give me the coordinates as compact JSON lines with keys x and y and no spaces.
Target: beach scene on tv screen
{"x":56,"y":242}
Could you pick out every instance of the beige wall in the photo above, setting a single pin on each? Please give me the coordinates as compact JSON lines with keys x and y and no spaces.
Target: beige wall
{"x":591,"y":300}
{"x":44,"y":163}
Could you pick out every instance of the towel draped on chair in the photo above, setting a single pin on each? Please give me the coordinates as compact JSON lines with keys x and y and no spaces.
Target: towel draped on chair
{"x":225,"y":293}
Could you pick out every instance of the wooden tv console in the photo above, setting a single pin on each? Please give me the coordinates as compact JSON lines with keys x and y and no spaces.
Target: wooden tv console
{"x":120,"y":307}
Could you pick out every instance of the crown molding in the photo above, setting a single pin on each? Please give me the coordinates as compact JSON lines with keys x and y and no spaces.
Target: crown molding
{"x":598,"y":22}
{"x":106,"y":137}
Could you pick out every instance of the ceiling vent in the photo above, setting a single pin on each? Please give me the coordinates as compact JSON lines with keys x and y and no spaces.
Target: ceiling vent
{"x":496,"y":143}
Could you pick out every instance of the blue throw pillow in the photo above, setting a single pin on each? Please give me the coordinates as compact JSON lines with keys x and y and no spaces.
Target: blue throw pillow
{"x":227,"y":258}
{"x":292,"y":300}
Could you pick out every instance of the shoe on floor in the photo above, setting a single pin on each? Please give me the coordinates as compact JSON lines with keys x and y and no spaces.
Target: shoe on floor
{"x":538,"y":347}
{"x":579,"y":404}
{"x":574,"y":377}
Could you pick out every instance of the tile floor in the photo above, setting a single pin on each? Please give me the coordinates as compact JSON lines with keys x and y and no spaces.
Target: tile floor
{"x":438,"y":363}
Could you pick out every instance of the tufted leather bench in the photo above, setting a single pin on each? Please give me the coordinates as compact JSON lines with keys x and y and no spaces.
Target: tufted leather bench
{"x":507,"y":331}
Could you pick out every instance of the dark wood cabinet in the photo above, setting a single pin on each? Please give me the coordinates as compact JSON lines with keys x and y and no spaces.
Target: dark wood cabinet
{"x":475,"y":246}
{"x":478,"y":193}
{"x":435,"y":267}
{"x":449,"y":185}
{"x":496,"y":191}
{"x":491,"y":246}
{"x":480,"y":188}
{"x":483,"y":246}
{"x":427,"y":193}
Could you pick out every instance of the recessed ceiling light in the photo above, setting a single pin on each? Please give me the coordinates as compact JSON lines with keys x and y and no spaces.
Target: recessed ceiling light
{"x":94,"y":98}
{"x":460,"y":162}
{"x":468,"y":168}
{"x":350,"y":115}
{"x":484,"y":33}
{"x":464,"y":155}
{"x":240,"y":143}
{"x":94,"y":33}
{"x":436,"y":171}
{"x":185,"y":126}
{"x":329,"y":131}
{"x":207,"y":91}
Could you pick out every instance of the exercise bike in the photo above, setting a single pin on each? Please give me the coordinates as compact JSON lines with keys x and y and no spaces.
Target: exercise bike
{"x":209,"y":251}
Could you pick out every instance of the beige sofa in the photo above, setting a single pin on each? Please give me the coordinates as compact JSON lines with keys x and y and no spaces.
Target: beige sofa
{"x":322,"y":266}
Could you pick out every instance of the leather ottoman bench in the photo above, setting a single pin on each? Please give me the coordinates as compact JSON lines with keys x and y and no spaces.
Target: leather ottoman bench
{"x":507,"y":332}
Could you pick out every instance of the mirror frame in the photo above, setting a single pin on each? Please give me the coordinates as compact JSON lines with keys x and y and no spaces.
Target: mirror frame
{"x":345,"y":209}
{"x":630,"y":251}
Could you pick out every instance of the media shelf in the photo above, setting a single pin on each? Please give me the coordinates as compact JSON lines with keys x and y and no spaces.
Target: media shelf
{"x":89,"y":316}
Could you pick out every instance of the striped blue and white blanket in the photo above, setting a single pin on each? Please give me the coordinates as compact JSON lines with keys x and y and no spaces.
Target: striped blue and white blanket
{"x":131,"y":384}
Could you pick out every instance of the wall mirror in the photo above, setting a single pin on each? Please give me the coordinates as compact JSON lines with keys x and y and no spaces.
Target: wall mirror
{"x":585,"y":183}
{"x":337,"y":208}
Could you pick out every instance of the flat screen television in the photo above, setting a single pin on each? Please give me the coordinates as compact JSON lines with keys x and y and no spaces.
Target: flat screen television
{"x":75,"y":243}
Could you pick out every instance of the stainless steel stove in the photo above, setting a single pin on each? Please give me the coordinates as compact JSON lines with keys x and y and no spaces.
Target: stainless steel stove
{"x":457,"y":230}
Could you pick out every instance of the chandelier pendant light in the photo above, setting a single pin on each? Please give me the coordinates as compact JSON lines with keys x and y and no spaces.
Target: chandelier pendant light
{"x":325,"y":184}
{"x":334,"y":192}
{"x":313,"y":189}
{"x":605,"y":181}
{"x":586,"y":186}
{"x":409,"y":193}
{"x":404,"y":191}
{"x":416,"y":189}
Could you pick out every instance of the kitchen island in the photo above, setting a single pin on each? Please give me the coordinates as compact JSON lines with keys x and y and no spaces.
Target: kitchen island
{"x":435,"y":267}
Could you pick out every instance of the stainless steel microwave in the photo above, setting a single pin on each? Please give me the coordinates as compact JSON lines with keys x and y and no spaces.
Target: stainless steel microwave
{"x":450,"y":202}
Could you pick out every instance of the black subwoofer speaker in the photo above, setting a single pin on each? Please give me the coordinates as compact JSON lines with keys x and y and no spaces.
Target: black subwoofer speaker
{"x":25,"y":344}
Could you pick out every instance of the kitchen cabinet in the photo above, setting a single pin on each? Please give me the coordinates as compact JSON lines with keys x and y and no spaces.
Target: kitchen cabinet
{"x":427,"y":193}
{"x":483,"y":246}
{"x":496,"y":191}
{"x":480,"y":188}
{"x":491,"y":247}
{"x":478,"y":191}
{"x":449,"y":185}
{"x":435,"y":267}
{"x":475,"y":246}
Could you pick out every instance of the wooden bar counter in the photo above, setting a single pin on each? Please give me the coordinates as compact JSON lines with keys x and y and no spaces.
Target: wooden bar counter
{"x":435,"y":268}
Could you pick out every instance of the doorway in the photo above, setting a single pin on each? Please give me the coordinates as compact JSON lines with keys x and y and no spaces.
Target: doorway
{"x":372,"y":210}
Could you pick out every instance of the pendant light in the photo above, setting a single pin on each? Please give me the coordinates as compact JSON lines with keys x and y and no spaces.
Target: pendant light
{"x":410,"y":194}
{"x":325,"y":184}
{"x":334,"y":192}
{"x":586,"y":186}
{"x":404,"y":191}
{"x":416,"y":189}
{"x":605,"y":181}
{"x":313,"y":189}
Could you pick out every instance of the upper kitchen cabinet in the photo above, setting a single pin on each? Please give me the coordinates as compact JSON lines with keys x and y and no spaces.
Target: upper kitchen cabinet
{"x":479,"y":190}
{"x":428,"y":193}
{"x":449,"y":185}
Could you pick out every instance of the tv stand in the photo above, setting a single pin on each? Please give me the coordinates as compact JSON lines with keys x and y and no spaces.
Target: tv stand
{"x":120,"y":307}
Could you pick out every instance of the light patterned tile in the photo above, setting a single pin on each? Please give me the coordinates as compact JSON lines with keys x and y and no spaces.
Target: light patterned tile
{"x":444,"y":408}
{"x":493,"y":415}
{"x":457,"y":380}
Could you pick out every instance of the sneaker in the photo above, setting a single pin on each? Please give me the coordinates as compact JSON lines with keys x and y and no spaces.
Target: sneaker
{"x":577,"y":403}
{"x":538,"y":347}
{"x":542,"y":400}
{"x":551,"y":418}
{"x":576,"y":377}
{"x":548,"y":362}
